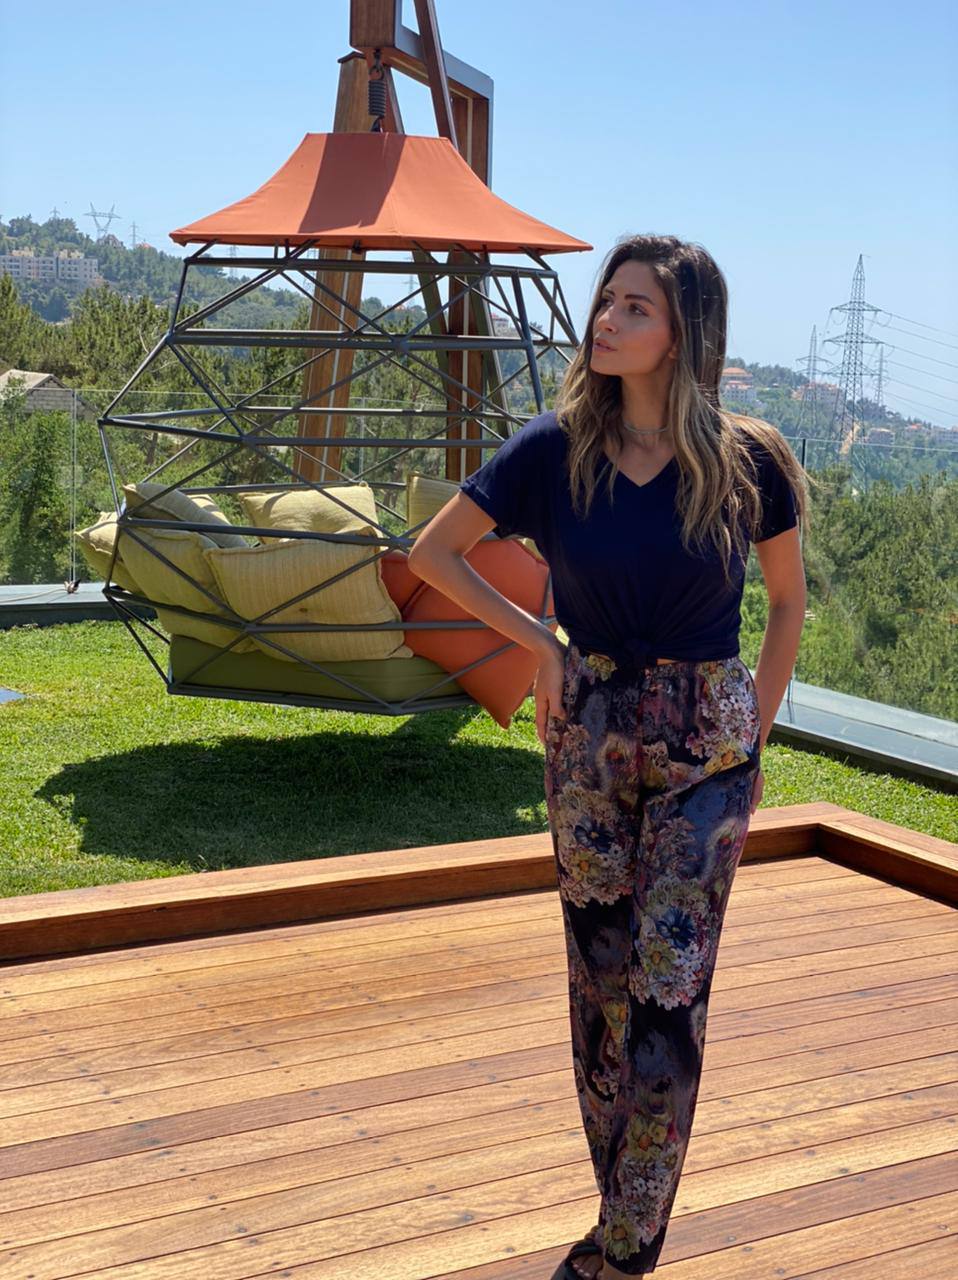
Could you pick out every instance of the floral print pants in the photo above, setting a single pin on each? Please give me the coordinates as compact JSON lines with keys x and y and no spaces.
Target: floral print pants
{"x":648,"y":780}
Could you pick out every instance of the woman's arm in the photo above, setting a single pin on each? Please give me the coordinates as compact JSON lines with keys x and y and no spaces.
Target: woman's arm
{"x":437,"y":558}
{"x":780,"y":559}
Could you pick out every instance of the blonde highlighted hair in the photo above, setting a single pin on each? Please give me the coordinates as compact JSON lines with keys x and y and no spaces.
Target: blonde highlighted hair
{"x":718,"y":490}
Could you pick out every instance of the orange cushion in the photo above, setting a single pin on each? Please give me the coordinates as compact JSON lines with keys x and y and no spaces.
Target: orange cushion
{"x":398,"y":579}
{"x":501,"y":684}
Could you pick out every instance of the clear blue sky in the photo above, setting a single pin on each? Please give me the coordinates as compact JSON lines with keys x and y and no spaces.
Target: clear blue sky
{"x":786,"y":138}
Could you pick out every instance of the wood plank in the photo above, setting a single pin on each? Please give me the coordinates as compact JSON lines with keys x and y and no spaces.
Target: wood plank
{"x":695,"y":1235}
{"x":849,"y":1239}
{"x":894,"y":833}
{"x":796,"y":909}
{"x":513,"y":905}
{"x":122,"y":1215}
{"x":421,"y":981}
{"x":109,"y":1193}
{"x":70,"y":1106}
{"x":762,"y":1000}
{"x":884,"y":849}
{"x":37,"y":975}
{"x":538,"y":919}
{"x":723,"y":1022}
{"x":782,"y":1171}
{"x":395,"y":1102}
{"x":183,"y":956}
{"x":914,"y":1262}
{"x":390,"y":1248}
{"x":418,"y":979}
{"x":750,"y":873}
{"x":159,"y":1062}
{"x":867,"y":891}
{"x":735,"y":949}
{"x":40,"y":995}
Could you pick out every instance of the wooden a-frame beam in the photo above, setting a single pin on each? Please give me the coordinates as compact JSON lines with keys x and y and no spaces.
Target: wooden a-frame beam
{"x":462,"y":100}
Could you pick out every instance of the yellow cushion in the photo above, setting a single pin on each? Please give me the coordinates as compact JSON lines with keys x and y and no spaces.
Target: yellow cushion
{"x":258,"y":579}
{"x":311,"y":510}
{"x":427,"y":495}
{"x":142,"y":500}
{"x":96,"y":544}
{"x":163,"y":585}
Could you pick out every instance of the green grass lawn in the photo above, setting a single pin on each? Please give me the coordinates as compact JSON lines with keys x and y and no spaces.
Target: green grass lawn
{"x":105,"y":777}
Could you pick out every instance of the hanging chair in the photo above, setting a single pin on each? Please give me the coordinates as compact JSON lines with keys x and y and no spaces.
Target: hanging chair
{"x":268,"y":534}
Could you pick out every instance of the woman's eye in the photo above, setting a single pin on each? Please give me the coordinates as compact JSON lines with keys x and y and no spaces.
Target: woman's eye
{"x":633,"y":307}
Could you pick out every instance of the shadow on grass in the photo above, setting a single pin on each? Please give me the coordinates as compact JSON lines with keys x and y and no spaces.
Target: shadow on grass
{"x":244,"y":801}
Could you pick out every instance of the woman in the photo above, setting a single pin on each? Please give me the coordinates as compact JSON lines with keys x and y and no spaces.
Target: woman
{"x":652,"y":724}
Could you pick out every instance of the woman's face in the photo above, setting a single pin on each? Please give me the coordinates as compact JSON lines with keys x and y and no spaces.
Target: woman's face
{"x":632,"y":330}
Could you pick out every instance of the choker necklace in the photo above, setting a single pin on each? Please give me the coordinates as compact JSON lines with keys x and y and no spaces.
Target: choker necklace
{"x":644,"y":431}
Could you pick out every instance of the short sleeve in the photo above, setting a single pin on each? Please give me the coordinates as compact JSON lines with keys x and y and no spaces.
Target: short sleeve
{"x":779,"y":510}
{"x":510,"y":485}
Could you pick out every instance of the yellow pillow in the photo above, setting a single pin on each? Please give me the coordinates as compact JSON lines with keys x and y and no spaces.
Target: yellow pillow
{"x":258,"y":579}
{"x":96,"y":544}
{"x":311,"y":510}
{"x":427,"y":495}
{"x":163,"y":585}
{"x":141,"y":500}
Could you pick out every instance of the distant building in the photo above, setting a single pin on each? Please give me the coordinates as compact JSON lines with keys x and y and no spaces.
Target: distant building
{"x":826,"y":393}
{"x":69,"y":266}
{"x":44,"y":391}
{"x":736,"y":383}
{"x":880,"y":435}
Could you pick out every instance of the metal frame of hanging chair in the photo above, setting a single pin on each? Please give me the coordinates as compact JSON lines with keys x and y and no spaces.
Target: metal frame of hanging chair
{"x":239,"y":426}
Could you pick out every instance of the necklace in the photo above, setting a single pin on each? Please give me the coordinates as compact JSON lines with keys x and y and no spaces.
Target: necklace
{"x":644,"y":431}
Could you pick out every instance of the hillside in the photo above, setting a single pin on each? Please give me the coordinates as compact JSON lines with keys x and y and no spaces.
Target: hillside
{"x":143,"y":272}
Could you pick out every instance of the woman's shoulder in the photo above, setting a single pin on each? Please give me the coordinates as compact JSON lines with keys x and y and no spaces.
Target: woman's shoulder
{"x":545,"y":427}
{"x":764,"y":441}
{"x":536,"y":439}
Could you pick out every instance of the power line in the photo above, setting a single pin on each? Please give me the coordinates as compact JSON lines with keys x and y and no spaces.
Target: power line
{"x":920,"y":323}
{"x":949,"y":364}
{"x":932,"y":408}
{"x":937,"y":341}
{"x":926,"y":390}
{"x":928,"y":372}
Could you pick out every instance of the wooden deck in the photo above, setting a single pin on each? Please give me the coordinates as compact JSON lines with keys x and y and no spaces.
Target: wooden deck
{"x":381,"y":1086}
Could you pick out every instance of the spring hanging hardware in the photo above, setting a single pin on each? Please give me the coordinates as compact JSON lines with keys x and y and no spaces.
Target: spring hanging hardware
{"x":377,"y":93}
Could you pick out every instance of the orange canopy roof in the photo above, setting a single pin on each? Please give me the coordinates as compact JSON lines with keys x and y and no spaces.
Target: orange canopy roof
{"x":384,"y":190}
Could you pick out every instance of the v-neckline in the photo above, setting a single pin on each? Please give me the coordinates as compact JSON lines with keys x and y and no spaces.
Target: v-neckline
{"x":645,"y":484}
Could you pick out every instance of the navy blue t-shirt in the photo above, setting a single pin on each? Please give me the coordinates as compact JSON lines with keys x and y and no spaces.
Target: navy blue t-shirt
{"x":621,"y":580}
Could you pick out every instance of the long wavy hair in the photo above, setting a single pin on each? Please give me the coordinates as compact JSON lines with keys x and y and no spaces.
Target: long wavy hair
{"x":717,"y":477}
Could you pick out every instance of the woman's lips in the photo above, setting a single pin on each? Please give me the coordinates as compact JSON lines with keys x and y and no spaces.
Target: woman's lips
{"x":601,"y":346}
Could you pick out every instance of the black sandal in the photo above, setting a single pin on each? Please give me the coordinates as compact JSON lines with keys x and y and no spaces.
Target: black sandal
{"x":582,"y":1248}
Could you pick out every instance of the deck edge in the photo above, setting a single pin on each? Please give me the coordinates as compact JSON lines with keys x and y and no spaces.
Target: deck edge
{"x":131,"y":912}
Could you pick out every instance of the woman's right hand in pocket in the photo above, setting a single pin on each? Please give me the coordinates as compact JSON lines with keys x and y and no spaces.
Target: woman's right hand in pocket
{"x":548,"y":688}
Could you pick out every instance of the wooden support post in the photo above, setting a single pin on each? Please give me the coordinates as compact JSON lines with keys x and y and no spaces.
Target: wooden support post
{"x":316,"y":462}
{"x":462,"y":104}
{"x":460,"y":119}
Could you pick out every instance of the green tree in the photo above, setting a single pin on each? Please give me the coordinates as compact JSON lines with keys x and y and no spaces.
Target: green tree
{"x":36,"y":510}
